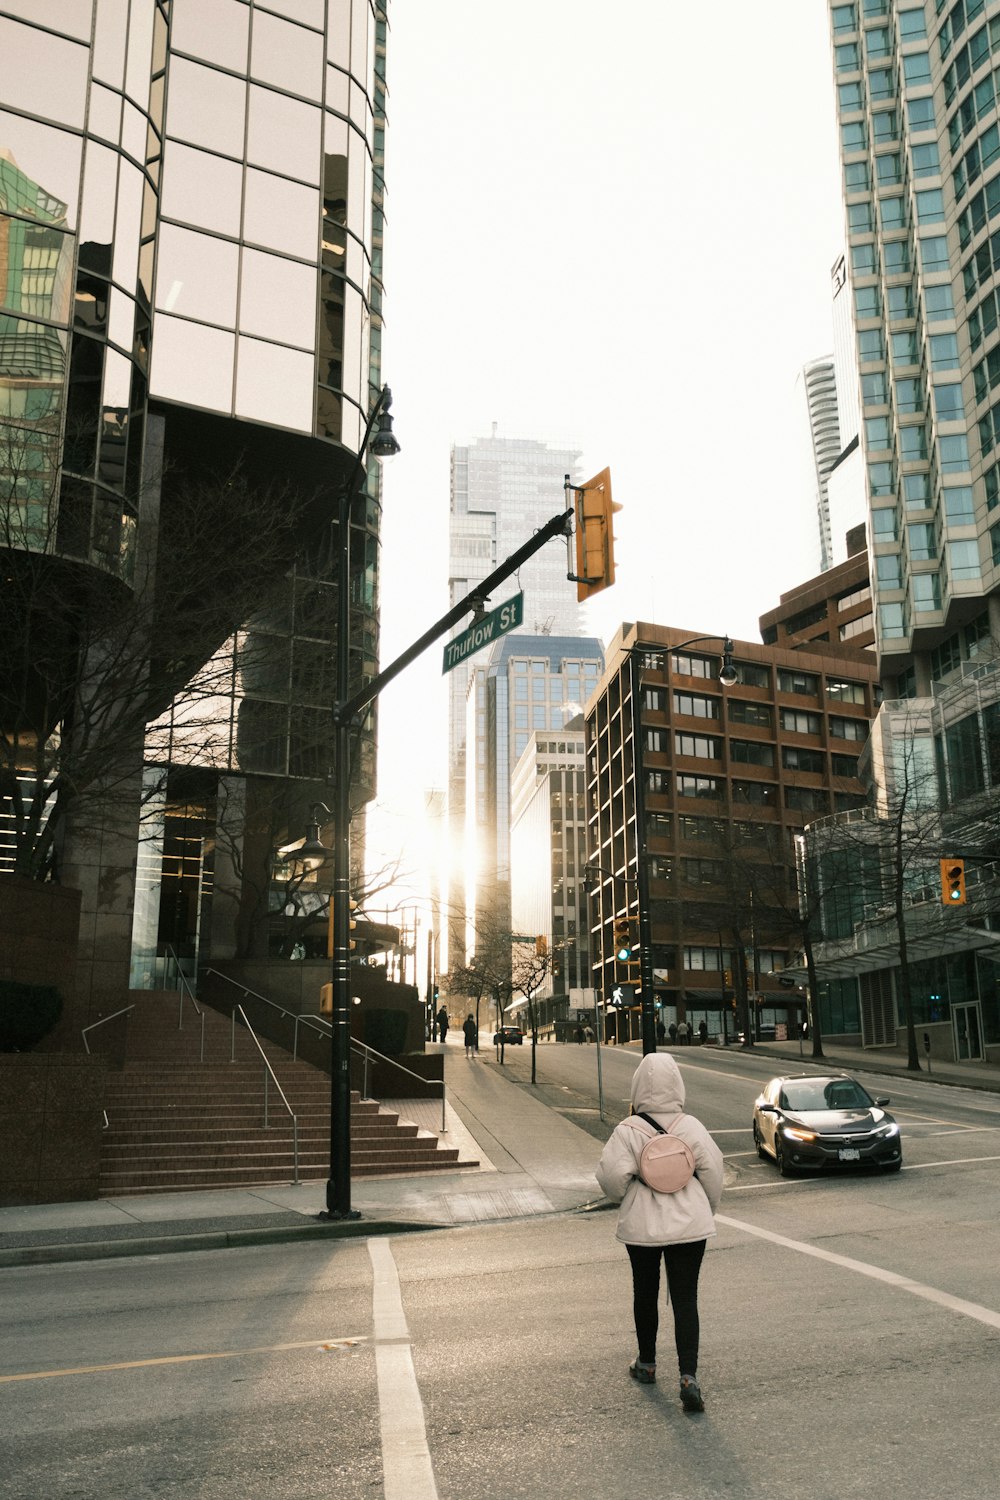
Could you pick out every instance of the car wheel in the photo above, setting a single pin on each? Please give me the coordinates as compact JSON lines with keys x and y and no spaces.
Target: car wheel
{"x":758,"y":1142}
{"x":780,"y":1158}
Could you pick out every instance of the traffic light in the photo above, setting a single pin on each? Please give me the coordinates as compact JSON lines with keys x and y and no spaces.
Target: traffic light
{"x":953,"y":882}
{"x":541,"y":947}
{"x":623,"y":939}
{"x":595,"y":539}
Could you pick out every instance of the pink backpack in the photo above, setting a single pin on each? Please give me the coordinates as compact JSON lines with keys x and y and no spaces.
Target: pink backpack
{"x":666,"y":1163}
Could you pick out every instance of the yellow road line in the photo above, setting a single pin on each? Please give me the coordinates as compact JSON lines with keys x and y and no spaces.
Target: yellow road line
{"x":182,"y":1359}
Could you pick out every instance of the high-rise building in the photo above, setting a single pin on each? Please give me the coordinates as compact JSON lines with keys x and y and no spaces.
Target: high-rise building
{"x":917,"y":118}
{"x":818,"y":387}
{"x":191,"y":203}
{"x":502,"y":489}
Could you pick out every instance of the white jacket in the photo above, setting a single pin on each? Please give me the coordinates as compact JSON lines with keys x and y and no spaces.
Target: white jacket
{"x":647,"y":1217}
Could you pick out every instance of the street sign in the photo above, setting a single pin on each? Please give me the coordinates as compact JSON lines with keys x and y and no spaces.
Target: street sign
{"x":481,"y":632}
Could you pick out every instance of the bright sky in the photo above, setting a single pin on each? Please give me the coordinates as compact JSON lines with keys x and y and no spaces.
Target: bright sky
{"x":612,"y":226}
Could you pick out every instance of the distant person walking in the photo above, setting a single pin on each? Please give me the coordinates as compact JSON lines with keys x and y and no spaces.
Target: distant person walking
{"x":674,"y":1226}
{"x":703,"y":1031}
{"x":661,"y":1034}
{"x":471,"y":1032}
{"x":442,"y":1020}
{"x":683,"y":1034}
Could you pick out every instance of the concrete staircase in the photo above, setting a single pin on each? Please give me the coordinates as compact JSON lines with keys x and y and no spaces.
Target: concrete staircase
{"x":176,"y":1123}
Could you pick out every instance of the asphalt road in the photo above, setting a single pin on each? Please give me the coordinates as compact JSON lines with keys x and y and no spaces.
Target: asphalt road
{"x":850,"y":1338}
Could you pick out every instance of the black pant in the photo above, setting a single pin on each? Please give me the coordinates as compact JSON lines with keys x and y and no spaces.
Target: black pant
{"x":683,"y":1262}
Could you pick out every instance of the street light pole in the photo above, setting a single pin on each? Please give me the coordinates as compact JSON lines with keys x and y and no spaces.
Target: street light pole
{"x":338,"y":1188}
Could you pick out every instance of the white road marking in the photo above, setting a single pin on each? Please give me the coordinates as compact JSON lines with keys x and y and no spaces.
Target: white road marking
{"x":406,"y":1461}
{"x":863,"y":1268}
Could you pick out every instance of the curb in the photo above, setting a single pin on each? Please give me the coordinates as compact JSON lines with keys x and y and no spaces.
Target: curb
{"x":209,"y":1239}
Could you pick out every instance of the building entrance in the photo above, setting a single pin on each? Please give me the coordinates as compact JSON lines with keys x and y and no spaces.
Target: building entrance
{"x":968,"y":1032}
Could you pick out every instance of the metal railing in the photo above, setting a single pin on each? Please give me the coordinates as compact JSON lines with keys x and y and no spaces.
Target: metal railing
{"x":184,"y":989}
{"x":269,"y":1074}
{"x":93,"y":1027}
{"x":316,"y":1023}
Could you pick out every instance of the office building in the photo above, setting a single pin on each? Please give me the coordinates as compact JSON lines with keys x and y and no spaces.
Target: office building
{"x":817,"y":388}
{"x":191,"y":212}
{"x":708,"y":787}
{"x":831,"y":613}
{"x":502,"y":490}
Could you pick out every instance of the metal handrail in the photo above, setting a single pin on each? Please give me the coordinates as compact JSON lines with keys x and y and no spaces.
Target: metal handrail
{"x":283,"y":1010}
{"x":93,"y":1027}
{"x":318,"y":1024}
{"x":269,"y":1072}
{"x":184,"y":988}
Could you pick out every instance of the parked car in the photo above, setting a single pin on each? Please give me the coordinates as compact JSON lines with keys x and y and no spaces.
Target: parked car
{"x":824,"y":1120}
{"x":511,"y":1036}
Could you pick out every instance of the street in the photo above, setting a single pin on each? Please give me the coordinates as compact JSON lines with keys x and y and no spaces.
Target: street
{"x":850,"y":1330}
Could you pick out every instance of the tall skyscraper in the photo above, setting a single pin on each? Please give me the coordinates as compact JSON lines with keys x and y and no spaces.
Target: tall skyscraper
{"x":502,"y":489}
{"x":818,"y":386}
{"x":190,"y":312}
{"x":918,"y":123}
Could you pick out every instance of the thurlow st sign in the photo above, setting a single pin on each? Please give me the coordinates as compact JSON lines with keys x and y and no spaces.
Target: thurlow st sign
{"x":481,"y":632}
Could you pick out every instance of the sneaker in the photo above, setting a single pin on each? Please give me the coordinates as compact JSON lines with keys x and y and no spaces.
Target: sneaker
{"x":691,"y":1398}
{"x":645,"y":1374}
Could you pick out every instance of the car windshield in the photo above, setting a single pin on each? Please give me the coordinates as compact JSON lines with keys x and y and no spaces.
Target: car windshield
{"x":823,"y":1093}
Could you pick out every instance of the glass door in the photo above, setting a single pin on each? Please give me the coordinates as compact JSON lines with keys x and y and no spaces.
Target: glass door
{"x":968,"y":1033}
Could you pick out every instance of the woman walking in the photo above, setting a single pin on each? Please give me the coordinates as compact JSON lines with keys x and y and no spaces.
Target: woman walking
{"x":471,"y":1033}
{"x":674,"y":1226}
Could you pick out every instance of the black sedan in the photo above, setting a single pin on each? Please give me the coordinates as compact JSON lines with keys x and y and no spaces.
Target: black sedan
{"x":511,"y":1036}
{"x":824,"y":1120}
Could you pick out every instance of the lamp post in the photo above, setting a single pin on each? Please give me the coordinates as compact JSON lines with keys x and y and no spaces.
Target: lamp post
{"x":727,"y":677}
{"x":338,"y":1189}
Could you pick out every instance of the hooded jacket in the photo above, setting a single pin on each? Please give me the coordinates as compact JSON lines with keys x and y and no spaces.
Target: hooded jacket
{"x":647,"y":1217}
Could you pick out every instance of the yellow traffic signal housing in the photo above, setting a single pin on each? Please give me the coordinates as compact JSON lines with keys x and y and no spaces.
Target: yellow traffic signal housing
{"x":595,"y":541}
{"x":541,"y":947}
{"x":326,"y":1000}
{"x":953,"y":882}
{"x":623,"y":939}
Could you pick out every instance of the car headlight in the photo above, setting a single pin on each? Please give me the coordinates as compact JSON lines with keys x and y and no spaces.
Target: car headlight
{"x":886,"y":1130}
{"x":795,"y":1134}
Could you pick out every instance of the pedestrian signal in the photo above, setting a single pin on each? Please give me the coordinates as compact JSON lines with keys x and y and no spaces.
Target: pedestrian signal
{"x":953,"y":882}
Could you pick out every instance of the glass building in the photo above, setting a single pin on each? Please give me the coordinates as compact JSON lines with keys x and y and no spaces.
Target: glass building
{"x":191,"y":219}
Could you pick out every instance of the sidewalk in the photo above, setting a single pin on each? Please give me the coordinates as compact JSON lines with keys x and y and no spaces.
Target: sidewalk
{"x":531,"y":1161}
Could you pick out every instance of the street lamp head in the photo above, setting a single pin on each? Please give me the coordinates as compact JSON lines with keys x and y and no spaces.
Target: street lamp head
{"x":384,"y":444}
{"x":728,"y":676}
{"x":312,"y":852}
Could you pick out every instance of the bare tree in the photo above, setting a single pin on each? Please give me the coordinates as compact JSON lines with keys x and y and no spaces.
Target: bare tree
{"x":531,"y":968}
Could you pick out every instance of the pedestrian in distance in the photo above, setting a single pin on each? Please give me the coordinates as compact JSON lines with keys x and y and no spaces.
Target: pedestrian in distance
{"x":442,"y":1020}
{"x":661,"y":1033}
{"x":674,"y":1227}
{"x":683,"y":1034}
{"x":703,"y":1031}
{"x":471,"y":1032}
{"x":672,"y":1031}
{"x":579,"y":1035}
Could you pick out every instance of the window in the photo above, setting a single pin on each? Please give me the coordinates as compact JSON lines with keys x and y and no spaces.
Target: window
{"x":917,"y":491}
{"x":920,"y":113}
{"x":873,"y":389}
{"x":906,"y":348}
{"x":877,"y":42}
{"x":846,"y":59}
{"x":703,"y":746}
{"x":911,"y":24}
{"x":802,"y":683}
{"x":703,"y":872}
{"x":750,"y":674}
{"x":749,"y":713}
{"x":926,"y":590}
{"x":889,"y":571}
{"x":934,"y":254}
{"x":917,"y":69}
{"x":930,"y":206}
{"x":900,"y":300}
{"x":659,"y":825}
{"x":856,"y":178}
{"x":944,"y":351}
{"x":806,"y":799}
{"x":859,"y":218}
{"x":859,"y":626}
{"x":888,"y":170}
{"x":885,"y":127}
{"x":698,"y":960}
{"x":866,"y":302}
{"x":938,"y":303}
{"x":864,"y":261}
{"x":840,"y":691}
{"x":926,"y":162}
{"x":853,"y":137}
{"x":751,"y":753}
{"x":652,"y":700}
{"x":757,"y":793}
{"x":697,"y":705}
{"x":848,"y":729}
{"x":698,"y":786}
{"x":697,"y":829}
{"x":953,"y":452}
{"x":877,"y":432}
{"x":963,"y":559}
{"x":844,"y":765}
{"x":656,"y":741}
{"x":881,"y":84}
{"x":948,"y":404}
{"x":845,"y":18}
{"x":850,"y":98}
{"x":871,"y":350}
{"x":798,"y":758}
{"x":881,"y":479}
{"x":958,"y":505}
{"x":657,"y":782}
{"x":695,"y":666}
{"x":854,"y":596}
{"x":796,"y":721}
{"x":909,"y":395}
{"x":913,"y":443}
{"x":884,"y":525}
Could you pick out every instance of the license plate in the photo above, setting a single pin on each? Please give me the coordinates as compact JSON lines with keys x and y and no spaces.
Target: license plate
{"x":849,"y":1153}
